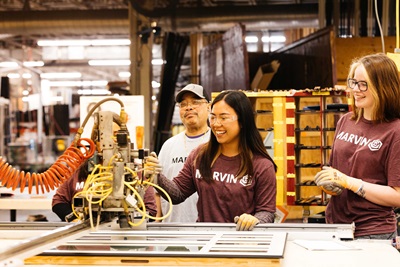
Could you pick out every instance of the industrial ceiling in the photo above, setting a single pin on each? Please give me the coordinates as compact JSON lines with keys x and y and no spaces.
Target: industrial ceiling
{"x":23,"y":22}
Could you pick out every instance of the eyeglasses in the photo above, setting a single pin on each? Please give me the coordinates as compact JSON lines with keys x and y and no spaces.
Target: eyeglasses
{"x":362,"y":85}
{"x":223,"y":119}
{"x":194,"y":104}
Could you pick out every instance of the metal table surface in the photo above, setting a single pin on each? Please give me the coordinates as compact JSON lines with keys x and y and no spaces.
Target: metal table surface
{"x":199,"y":244}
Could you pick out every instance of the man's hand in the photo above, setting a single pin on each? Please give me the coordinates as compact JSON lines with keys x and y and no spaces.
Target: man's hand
{"x":152,"y":166}
{"x":245,"y":222}
{"x":333,"y":181}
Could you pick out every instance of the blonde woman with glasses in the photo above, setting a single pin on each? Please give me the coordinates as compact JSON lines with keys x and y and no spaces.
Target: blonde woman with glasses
{"x":364,"y":177}
{"x":232,"y":174}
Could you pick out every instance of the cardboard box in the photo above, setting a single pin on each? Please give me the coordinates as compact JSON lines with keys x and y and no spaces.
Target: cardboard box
{"x":281,"y":214}
{"x":264,"y":75}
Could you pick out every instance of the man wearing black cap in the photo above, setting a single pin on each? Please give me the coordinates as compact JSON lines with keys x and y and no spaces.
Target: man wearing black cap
{"x":193,"y":102}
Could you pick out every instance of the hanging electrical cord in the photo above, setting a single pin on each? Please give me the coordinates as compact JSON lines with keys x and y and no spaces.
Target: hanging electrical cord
{"x":168,"y":200}
{"x":379,"y":25}
{"x":98,"y":186}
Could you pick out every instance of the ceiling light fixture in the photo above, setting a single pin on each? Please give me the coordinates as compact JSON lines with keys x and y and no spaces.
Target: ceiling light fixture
{"x":13,"y":64}
{"x":124,"y":74}
{"x":155,"y":84}
{"x":8,"y":64}
{"x":157,"y":62}
{"x":99,"y":83}
{"x":273,"y":39}
{"x":251,"y":39}
{"x":118,"y":62}
{"x":266,"y":39}
{"x":94,"y":92}
{"x":13,"y":75}
{"x":98,"y":42}
{"x":61,"y":75}
{"x":33,"y":63}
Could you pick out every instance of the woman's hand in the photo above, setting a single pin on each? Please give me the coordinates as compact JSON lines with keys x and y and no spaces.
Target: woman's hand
{"x":333,"y":181}
{"x":245,"y":222}
{"x":152,"y":166}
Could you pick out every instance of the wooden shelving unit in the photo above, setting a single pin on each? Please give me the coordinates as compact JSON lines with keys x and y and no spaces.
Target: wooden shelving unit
{"x":315,"y":116}
{"x":269,"y":108}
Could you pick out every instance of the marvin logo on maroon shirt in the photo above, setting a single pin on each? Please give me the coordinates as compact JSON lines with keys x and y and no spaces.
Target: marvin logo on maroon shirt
{"x":226,"y":178}
{"x":373,"y":145}
{"x":79,"y":186}
{"x":245,"y":181}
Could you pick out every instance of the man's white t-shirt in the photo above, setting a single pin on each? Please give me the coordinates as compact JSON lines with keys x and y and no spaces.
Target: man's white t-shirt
{"x":172,"y":156}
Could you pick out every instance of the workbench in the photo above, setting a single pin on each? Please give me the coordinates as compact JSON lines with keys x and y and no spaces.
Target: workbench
{"x":200,"y":244}
{"x":15,"y":200}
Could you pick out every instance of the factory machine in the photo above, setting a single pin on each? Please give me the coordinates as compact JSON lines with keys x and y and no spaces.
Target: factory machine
{"x":111,"y":208}
{"x":114,"y":187}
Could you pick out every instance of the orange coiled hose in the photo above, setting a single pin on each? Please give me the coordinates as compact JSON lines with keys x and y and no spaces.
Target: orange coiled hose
{"x":59,"y":172}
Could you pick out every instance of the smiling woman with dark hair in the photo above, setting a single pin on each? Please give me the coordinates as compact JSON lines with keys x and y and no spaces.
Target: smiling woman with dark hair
{"x":233,"y":174}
